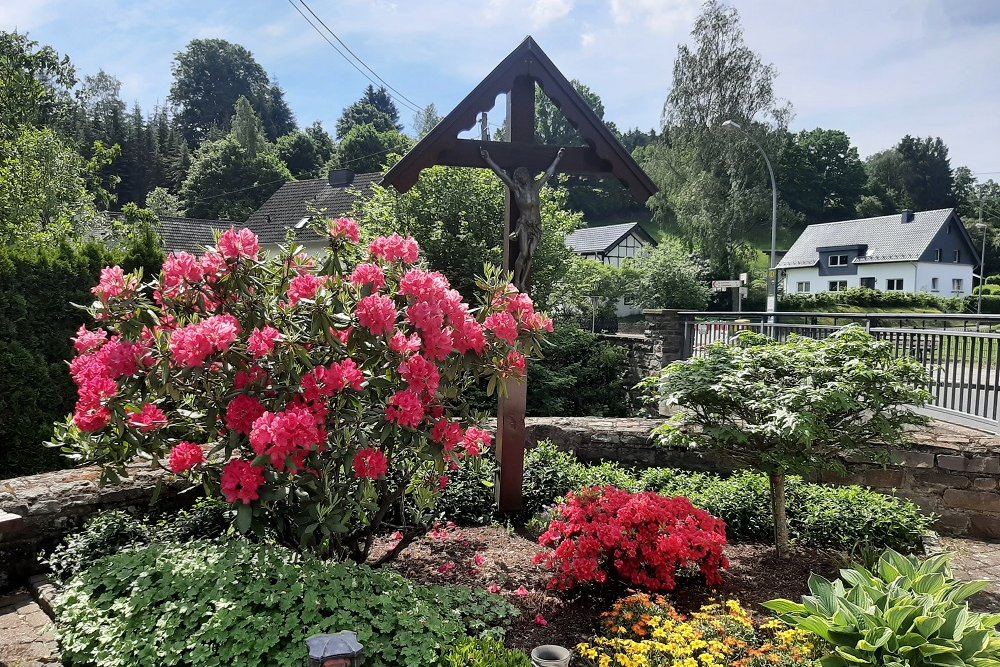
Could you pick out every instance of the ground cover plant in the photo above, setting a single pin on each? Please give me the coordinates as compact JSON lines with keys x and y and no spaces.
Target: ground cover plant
{"x":238,"y":603}
{"x":792,"y":407}
{"x":312,"y":394}
{"x":904,"y":611}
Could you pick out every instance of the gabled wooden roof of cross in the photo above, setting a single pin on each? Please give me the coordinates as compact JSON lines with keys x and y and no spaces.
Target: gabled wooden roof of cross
{"x":519,"y":72}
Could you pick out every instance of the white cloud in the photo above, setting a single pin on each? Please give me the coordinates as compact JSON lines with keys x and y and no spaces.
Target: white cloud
{"x":588,"y":39}
{"x":659,"y":15}
{"x":24,"y":15}
{"x":544,"y":12}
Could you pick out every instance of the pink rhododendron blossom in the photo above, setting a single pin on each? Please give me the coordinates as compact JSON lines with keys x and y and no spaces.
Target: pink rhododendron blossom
{"x":90,"y":416}
{"x":424,"y":285}
{"x":345,"y":228}
{"x":304,"y":287}
{"x":369,"y":274}
{"x":401,"y":344}
{"x":88,"y":341}
{"x":261,"y":341}
{"x":394,"y":248}
{"x":425,"y":316}
{"x":495,"y":589}
{"x":377,"y":313}
{"x":540,"y":620}
{"x":292,"y":433}
{"x":514,"y":365}
{"x":539,"y":322}
{"x":240,"y":244}
{"x":421,"y":375}
{"x":191,"y":345}
{"x":522,"y":592}
{"x":503,"y":326}
{"x":241,"y":481}
{"x":114,"y":283}
{"x":476,"y":440}
{"x":468,"y":337}
{"x":448,"y":434}
{"x":438,"y":344}
{"x":397,"y":536}
{"x":185,"y":456}
{"x":406,"y":409}
{"x":149,"y":419}
{"x":479,"y":559}
{"x":370,"y":464}
{"x":180,"y":270}
{"x":447,"y":568}
{"x":242,"y":412}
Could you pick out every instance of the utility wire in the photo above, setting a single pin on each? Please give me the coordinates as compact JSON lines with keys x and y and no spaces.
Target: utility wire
{"x":409,"y":106}
{"x":356,"y":56}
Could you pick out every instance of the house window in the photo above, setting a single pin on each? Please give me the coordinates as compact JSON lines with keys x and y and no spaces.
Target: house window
{"x":837,"y":260}
{"x":958,"y":256}
{"x":838,"y":285}
{"x":894,"y":284}
{"x":802,"y":286}
{"x":937,"y":255}
{"x":934,"y":284}
{"x":956,"y":285}
{"x":868,"y":283}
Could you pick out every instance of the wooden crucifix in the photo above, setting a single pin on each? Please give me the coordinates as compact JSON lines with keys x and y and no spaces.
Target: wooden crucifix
{"x":520,"y":158}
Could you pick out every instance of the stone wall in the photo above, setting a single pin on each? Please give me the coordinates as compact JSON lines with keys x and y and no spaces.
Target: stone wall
{"x":951,"y":471}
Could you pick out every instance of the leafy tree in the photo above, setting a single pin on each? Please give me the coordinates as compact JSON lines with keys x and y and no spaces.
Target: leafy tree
{"x":164,"y":204}
{"x":552,"y":128}
{"x":365,"y":148}
{"x":210,"y":75}
{"x":34,"y":84}
{"x":232,"y":177}
{"x":795,"y":407}
{"x":323,"y":140}
{"x":915,"y":174}
{"x":714,"y":184}
{"x":667,"y":277}
{"x":425,"y":120}
{"x":374,"y":108}
{"x":587,"y":283}
{"x":43,"y":187}
{"x":301,"y":155}
{"x":822,"y":176}
{"x":457,"y":217}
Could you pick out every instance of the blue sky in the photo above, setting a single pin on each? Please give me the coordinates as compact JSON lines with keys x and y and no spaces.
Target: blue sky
{"x":877,"y":69}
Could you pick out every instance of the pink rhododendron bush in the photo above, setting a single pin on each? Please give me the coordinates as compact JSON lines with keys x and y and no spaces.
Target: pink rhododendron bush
{"x":318,"y":395}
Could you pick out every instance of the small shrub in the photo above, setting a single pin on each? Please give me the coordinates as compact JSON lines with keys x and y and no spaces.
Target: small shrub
{"x":103,"y":535}
{"x":904,"y":612}
{"x":643,"y":539}
{"x":718,"y":634}
{"x":207,"y":519}
{"x":863,"y":297}
{"x":238,"y":603}
{"x":469,"y":497}
{"x":484,"y":653}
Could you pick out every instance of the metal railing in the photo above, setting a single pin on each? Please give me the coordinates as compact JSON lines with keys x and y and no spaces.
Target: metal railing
{"x":961,"y":352}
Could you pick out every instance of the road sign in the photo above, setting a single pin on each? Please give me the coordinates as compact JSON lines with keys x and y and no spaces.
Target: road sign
{"x":725,"y":284}
{"x":743,"y":277}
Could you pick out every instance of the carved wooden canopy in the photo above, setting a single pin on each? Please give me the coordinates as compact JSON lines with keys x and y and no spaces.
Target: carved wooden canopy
{"x":516,"y":76}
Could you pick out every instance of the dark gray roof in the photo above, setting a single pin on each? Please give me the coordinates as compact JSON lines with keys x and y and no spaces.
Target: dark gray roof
{"x":888,"y":238}
{"x":191,"y":234}
{"x":599,"y":240}
{"x":291,"y":203}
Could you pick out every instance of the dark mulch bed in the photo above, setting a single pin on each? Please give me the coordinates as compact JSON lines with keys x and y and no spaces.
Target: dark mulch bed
{"x":448,"y":556}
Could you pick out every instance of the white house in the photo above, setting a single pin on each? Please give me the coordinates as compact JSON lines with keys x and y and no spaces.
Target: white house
{"x":927,"y":251}
{"x":611,"y":244}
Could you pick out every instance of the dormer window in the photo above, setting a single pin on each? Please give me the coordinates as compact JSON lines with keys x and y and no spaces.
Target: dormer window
{"x":837,"y":260}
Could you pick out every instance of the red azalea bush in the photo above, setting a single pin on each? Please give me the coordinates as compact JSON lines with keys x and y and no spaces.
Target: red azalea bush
{"x":643,"y":539}
{"x":314,"y":393}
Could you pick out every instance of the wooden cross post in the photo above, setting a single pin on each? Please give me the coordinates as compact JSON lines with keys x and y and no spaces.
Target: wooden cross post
{"x":603,"y":155}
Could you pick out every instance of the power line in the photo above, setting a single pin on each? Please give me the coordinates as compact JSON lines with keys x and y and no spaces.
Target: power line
{"x":408,"y":105}
{"x":356,"y":56}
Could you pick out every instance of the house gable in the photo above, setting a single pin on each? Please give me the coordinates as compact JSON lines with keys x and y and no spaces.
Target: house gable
{"x":951,"y":237}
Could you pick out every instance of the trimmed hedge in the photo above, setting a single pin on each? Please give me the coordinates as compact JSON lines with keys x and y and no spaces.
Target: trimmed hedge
{"x":842,"y":517}
{"x":863,"y":297}
{"x":38,"y":287}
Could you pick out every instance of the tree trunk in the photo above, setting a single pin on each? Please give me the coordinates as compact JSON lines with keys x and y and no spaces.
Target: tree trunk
{"x":778,"y":508}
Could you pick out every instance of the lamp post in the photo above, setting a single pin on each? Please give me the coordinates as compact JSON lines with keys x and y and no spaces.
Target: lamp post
{"x":772,"y":284}
{"x":982,"y":270}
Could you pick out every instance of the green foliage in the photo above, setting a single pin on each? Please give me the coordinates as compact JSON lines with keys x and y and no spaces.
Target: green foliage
{"x":457,"y":217}
{"x":580,"y":375}
{"x":470,"y":497}
{"x":863,"y":297}
{"x":486,"y":652}
{"x":210,"y":75}
{"x":365,"y":148}
{"x":241,"y":604}
{"x":915,"y":174}
{"x":39,"y":283}
{"x":905,"y":612}
{"x":586,"y":280}
{"x":375,"y":108}
{"x":667,"y":276}
{"x":232,"y":177}
{"x":822,"y":176}
{"x":425,"y":120}
{"x":164,"y":204}
{"x":36,"y":84}
{"x":301,"y":154}
{"x":990,"y":304}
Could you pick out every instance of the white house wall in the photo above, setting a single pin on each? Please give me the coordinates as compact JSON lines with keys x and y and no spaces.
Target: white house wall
{"x":916,"y":277}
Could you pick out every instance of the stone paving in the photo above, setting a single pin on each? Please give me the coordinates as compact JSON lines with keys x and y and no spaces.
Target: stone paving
{"x":25,"y":636}
{"x":977,"y":559}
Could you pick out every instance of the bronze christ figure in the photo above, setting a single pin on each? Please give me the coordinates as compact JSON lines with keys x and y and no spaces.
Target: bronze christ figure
{"x":528,"y":230}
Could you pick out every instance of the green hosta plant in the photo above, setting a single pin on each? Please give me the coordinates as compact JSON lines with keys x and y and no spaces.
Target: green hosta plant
{"x":906,"y":612}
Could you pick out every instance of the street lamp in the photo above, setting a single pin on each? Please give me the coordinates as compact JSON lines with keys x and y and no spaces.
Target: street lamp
{"x":772,"y":284}
{"x":982,"y":270}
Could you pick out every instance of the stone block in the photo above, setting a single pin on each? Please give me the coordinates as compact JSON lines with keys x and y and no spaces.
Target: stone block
{"x":887,"y":478}
{"x":985,"y":525}
{"x":985,"y":483}
{"x":940,"y":480}
{"x":983,"y":464}
{"x":952,"y":523}
{"x":909,"y":459}
{"x":977,"y":501}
